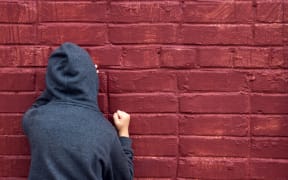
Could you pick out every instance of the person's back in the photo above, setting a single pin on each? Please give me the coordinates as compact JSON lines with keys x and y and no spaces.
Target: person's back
{"x":68,"y":135}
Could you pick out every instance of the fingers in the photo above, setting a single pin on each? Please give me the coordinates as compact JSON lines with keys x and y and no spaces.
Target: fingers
{"x":115,"y":116}
{"x":96,"y":66}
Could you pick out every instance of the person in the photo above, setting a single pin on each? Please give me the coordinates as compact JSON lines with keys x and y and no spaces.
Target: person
{"x":69,"y":137}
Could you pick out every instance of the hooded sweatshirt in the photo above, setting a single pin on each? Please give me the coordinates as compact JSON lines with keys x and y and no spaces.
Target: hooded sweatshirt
{"x":69,"y":137}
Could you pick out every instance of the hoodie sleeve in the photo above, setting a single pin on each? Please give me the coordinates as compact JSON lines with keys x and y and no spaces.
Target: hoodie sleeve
{"x":122,"y":159}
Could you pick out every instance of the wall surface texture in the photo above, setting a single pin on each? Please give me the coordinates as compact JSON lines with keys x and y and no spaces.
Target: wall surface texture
{"x":206,"y":81}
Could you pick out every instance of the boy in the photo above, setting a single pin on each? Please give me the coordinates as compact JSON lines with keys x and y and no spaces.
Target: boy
{"x":68,"y":135}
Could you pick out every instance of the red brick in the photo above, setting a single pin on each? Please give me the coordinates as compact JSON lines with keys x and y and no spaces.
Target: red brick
{"x":40,"y":80}
{"x":143,"y":102}
{"x":221,"y":103}
{"x":285,"y":11}
{"x":215,"y":57}
{"x":212,"y":81}
{"x":218,"y":12}
{"x":252,"y":57}
{"x":216,"y":34}
{"x":33,"y":56}
{"x":20,"y":34}
{"x":270,"y":82}
{"x":244,"y":11}
{"x":214,"y":125}
{"x":155,"y":146}
{"x":145,"y":12}
{"x":271,"y":34}
{"x":140,"y":57}
{"x":14,"y":145}
{"x":18,"y":12}
{"x":269,"y":11}
{"x":14,"y":102}
{"x":10,"y":124}
{"x":17,"y":80}
{"x":269,"y":169}
{"x":212,"y":168}
{"x":271,"y":104}
{"x":178,"y":57}
{"x":135,"y":34}
{"x":14,"y":166}
{"x":214,"y":146}
{"x":107,"y":56}
{"x":83,"y":34}
{"x":142,"y":81}
{"x":103,"y":102}
{"x":72,"y":11}
{"x":279,"y":58}
{"x":269,"y":147}
{"x":24,"y":56}
{"x":269,"y":125}
{"x":155,"y":167}
{"x":158,"y":124}
{"x":102,"y":82}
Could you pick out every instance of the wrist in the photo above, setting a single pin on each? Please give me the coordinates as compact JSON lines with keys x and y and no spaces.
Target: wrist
{"x":123,"y":133}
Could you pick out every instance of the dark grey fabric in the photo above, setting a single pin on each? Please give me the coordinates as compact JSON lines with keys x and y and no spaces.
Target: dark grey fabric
{"x":68,"y":135}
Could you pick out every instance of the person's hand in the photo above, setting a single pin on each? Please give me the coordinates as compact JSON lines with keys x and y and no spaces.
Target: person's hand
{"x":96,"y":66}
{"x":121,"y":121}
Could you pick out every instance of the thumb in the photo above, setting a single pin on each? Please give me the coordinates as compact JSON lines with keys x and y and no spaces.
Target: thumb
{"x":115,"y":117}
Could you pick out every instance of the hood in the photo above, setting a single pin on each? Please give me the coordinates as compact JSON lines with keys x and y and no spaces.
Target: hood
{"x":71,"y":76}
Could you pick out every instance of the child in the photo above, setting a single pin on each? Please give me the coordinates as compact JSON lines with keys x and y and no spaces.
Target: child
{"x":68,"y":135}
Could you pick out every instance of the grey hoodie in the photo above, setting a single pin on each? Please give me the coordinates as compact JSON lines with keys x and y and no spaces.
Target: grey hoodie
{"x":68,"y":135}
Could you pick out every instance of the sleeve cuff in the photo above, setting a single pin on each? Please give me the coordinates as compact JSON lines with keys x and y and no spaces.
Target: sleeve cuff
{"x":125,"y":141}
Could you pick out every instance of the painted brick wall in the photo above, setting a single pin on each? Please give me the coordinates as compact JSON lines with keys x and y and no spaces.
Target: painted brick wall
{"x":205,"y":81}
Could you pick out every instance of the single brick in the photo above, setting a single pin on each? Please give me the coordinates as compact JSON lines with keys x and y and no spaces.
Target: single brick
{"x":269,"y":34}
{"x":176,"y":57}
{"x":155,"y":146}
{"x":224,"y":125}
{"x":220,"y":103}
{"x":270,"y":104}
{"x":215,"y":12}
{"x":155,"y":167}
{"x":269,"y":11}
{"x":268,"y":169}
{"x":14,"y":145}
{"x":211,"y":168}
{"x":140,"y":57}
{"x":88,"y":34}
{"x":216,"y":34}
{"x":144,"y":102}
{"x":252,"y":57}
{"x":214,"y":146}
{"x":215,"y":57}
{"x":11,"y":102}
{"x":18,"y":12}
{"x":20,"y":34}
{"x":10,"y":124}
{"x":17,"y":80}
{"x":212,"y":81}
{"x":136,"y":34}
{"x":269,"y":125}
{"x":143,"y":81}
{"x":270,"y":82}
{"x":149,"y":124}
{"x":14,"y":166}
{"x":123,"y":12}
{"x":72,"y":11}
{"x":269,"y":147}
{"x":107,"y":56}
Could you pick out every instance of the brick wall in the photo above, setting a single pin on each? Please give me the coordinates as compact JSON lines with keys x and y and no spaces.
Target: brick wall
{"x":205,"y":81}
